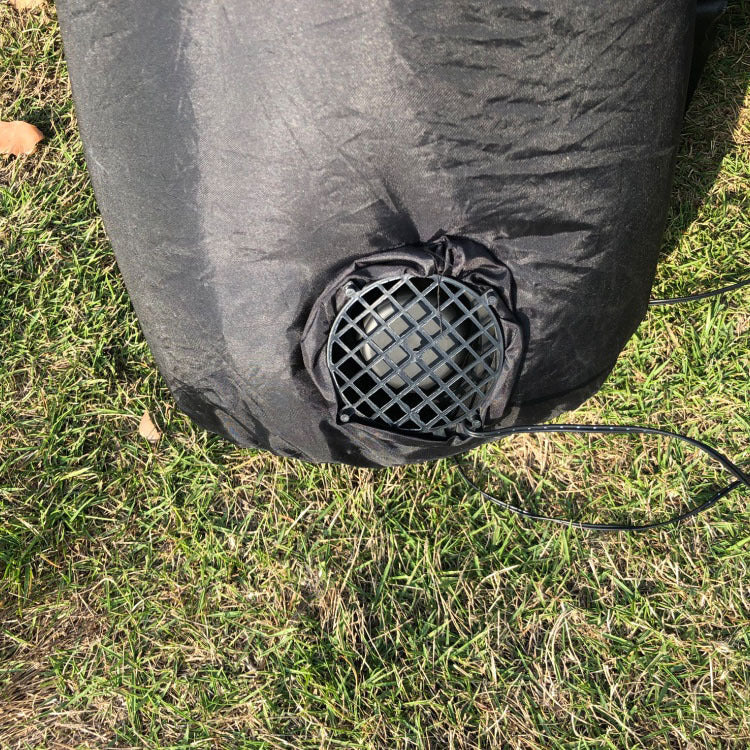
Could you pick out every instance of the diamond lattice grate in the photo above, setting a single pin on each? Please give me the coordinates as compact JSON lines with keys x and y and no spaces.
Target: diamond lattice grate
{"x":415,"y":353}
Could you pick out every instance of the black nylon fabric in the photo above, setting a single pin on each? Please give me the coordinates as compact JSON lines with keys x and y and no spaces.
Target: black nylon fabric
{"x":244,"y":154}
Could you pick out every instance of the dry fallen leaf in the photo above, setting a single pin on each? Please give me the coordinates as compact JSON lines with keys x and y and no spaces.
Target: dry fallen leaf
{"x":18,"y":138}
{"x":147,"y":429}
{"x":27,"y":4}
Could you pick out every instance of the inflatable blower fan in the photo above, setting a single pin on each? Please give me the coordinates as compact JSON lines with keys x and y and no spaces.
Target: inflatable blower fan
{"x":384,"y":231}
{"x":415,"y":353}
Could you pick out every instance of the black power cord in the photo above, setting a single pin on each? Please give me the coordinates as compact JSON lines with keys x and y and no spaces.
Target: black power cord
{"x":741,"y":478}
{"x":700,"y":295}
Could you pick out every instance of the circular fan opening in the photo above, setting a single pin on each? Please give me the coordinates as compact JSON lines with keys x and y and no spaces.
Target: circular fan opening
{"x":415,"y":353}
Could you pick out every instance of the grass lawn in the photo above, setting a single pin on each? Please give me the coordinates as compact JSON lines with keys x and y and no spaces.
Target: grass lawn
{"x":194,"y":595}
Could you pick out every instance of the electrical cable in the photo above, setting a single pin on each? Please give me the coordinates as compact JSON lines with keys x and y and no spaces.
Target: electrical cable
{"x":741,"y":478}
{"x":701,"y":295}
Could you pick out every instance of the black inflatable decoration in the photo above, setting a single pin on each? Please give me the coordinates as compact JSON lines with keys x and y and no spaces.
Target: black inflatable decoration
{"x":373,"y":231}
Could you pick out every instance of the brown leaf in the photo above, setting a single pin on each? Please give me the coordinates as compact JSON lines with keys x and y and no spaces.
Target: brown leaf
{"x":147,"y":429}
{"x":18,"y":138}
{"x":27,"y":4}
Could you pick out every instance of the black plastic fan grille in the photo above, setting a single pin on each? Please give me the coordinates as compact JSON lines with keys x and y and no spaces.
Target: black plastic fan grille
{"x":415,"y":353}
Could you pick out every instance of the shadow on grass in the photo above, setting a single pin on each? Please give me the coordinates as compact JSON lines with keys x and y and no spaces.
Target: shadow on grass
{"x":708,"y":130}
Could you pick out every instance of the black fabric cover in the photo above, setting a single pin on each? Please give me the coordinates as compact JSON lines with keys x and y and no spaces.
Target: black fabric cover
{"x":245,"y":154}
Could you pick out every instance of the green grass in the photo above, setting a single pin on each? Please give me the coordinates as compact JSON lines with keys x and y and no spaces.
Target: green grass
{"x":194,"y":595}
